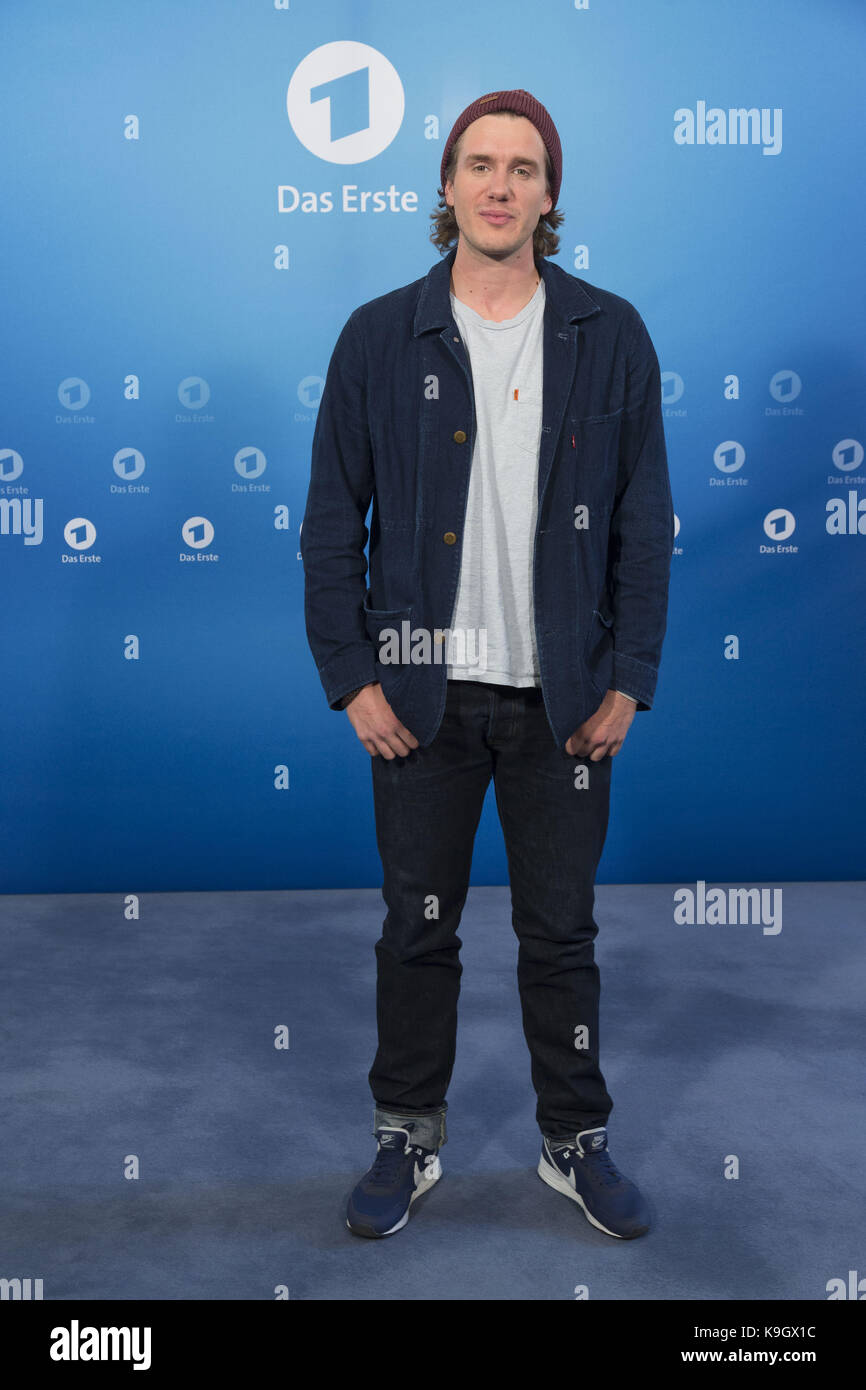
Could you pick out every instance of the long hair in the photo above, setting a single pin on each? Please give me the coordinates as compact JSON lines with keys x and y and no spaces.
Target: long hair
{"x":445,"y":231}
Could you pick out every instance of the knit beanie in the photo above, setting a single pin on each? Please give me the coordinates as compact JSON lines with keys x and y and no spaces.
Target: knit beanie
{"x":525,"y":105}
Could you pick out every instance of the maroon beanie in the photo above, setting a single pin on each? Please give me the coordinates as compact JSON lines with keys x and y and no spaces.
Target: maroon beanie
{"x":525,"y":105}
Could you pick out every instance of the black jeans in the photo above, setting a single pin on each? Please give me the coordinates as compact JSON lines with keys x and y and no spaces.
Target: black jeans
{"x":553,"y":808}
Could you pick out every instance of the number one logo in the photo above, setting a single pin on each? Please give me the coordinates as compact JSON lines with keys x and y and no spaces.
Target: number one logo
{"x":349,"y":98}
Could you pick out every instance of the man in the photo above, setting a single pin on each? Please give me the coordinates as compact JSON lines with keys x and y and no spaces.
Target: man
{"x":504,"y":418}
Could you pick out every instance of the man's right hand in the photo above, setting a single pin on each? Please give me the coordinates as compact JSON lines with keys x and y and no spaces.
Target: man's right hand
{"x":376,"y":724}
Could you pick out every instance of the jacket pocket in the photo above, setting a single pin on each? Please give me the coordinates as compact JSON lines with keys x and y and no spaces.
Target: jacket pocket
{"x":392,"y":643}
{"x":596,"y":442}
{"x":598,"y":652}
{"x":597,"y":419}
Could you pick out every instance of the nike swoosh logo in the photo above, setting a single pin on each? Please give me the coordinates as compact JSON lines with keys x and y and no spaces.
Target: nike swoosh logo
{"x":569,"y":1175}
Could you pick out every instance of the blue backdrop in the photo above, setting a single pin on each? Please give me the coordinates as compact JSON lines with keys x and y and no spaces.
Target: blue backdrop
{"x":189,"y":217}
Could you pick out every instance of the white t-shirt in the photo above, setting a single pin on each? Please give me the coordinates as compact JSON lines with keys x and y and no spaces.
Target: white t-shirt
{"x":493,"y":630}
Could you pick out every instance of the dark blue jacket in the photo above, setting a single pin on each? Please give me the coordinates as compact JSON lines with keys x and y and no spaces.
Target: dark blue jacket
{"x":396,"y":425}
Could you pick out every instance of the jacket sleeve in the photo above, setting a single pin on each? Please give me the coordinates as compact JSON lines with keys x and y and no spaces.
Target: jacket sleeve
{"x":333,"y":532}
{"x":641,"y":528}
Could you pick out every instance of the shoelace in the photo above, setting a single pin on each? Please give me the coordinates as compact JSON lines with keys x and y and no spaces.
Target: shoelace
{"x":387,"y":1165}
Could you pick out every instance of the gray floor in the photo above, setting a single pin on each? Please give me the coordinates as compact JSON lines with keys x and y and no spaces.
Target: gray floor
{"x":153,"y":1038}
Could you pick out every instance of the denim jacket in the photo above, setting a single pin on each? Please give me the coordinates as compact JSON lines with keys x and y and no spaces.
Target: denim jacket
{"x":396,"y":426}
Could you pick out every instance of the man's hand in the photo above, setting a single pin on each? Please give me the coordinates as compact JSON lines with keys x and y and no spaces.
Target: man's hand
{"x":376,"y":724}
{"x":604,"y":732}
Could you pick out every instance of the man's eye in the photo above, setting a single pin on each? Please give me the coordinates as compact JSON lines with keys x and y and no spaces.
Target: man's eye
{"x":520,"y":169}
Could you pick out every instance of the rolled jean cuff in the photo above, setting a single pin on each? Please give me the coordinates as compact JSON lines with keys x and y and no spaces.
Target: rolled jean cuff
{"x":428,"y":1130}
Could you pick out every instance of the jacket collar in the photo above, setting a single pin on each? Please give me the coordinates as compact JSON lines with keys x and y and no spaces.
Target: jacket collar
{"x":565,"y":297}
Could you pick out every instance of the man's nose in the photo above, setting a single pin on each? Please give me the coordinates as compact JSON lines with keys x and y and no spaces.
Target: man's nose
{"x":498,"y":185}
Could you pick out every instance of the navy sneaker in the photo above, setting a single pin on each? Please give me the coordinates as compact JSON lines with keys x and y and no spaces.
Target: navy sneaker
{"x":380,"y":1203}
{"x":585,"y":1172}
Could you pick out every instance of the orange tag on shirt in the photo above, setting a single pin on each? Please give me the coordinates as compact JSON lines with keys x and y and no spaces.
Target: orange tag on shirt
{"x":515,"y":393}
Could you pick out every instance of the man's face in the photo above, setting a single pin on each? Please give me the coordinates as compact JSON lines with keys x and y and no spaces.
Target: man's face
{"x":499,"y":189}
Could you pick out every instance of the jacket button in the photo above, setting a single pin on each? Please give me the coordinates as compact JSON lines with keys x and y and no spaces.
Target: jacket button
{"x":459,"y":436}
{"x":449,"y":538}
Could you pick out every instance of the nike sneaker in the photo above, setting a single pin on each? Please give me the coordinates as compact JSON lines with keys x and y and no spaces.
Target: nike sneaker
{"x":402,"y":1171}
{"x":585,"y":1172}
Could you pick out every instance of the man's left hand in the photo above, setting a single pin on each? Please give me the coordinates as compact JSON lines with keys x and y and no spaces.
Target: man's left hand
{"x":604,"y":732}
